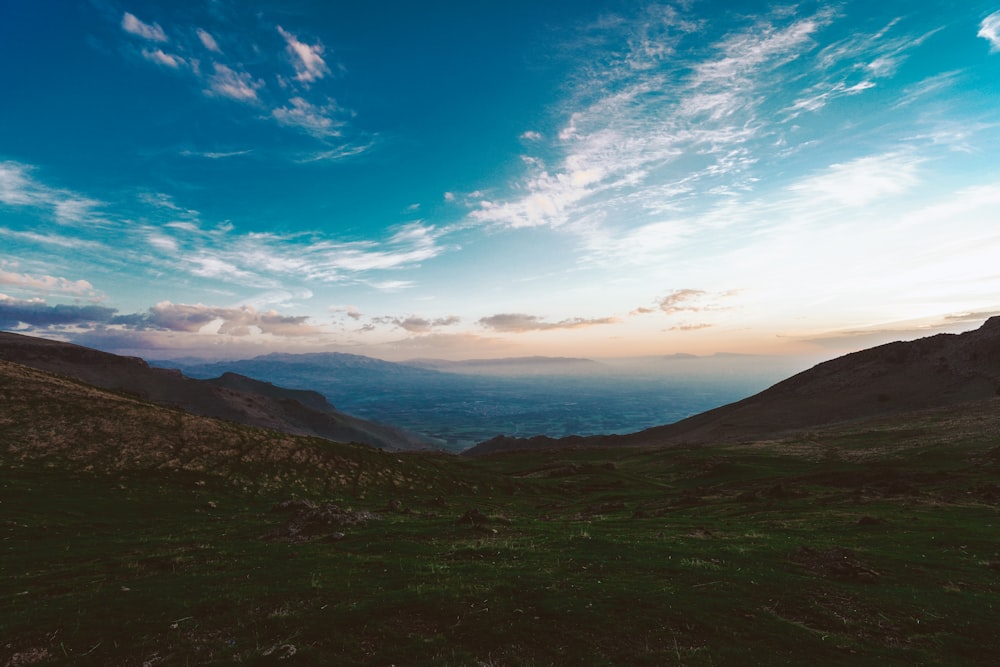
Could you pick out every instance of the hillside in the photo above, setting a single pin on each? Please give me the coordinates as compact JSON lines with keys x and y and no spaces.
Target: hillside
{"x":230,"y":396}
{"x":900,"y":377}
{"x":139,"y":534}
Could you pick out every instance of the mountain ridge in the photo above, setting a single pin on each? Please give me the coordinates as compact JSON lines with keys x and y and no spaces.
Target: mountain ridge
{"x":231,"y":397}
{"x":935,"y":371}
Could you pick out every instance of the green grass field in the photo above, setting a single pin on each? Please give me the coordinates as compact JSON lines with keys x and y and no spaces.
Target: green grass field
{"x":866,"y":547}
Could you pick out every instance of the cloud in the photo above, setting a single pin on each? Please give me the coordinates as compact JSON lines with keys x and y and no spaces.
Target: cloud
{"x":242,"y":321}
{"x":307,"y":60}
{"x":153,"y":32}
{"x":159,"y":57}
{"x":681,"y":301}
{"x":989,"y":29}
{"x":47,"y":284}
{"x":227,"y":82}
{"x":208,"y":41}
{"x":640,"y":125}
{"x":351,"y":311}
{"x":418,"y":325}
{"x":102,"y":321}
{"x":316,"y":120}
{"x":690,"y":327}
{"x":267,"y":260}
{"x":862,"y":181}
{"x":37,"y":313}
{"x":532,"y":136}
{"x":521,"y":323}
{"x":288,"y":104}
{"x":19,"y":188}
{"x":216,"y":155}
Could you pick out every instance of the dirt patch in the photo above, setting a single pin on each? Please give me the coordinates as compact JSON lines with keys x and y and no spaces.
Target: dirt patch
{"x":834,"y":563}
{"x":313,"y":521}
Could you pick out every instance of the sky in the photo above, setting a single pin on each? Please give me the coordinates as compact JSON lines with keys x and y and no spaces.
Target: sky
{"x":224,"y":178}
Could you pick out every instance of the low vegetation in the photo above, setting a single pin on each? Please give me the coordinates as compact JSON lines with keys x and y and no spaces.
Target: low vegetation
{"x":868,"y":544}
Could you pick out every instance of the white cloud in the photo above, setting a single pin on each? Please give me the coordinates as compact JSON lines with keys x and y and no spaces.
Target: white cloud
{"x":818,"y":100}
{"x":531,"y":135}
{"x":307,"y":59}
{"x":390,"y":285}
{"x":641,"y":113}
{"x":316,"y":120}
{"x":989,"y":30}
{"x":208,"y":41}
{"x":159,"y":57}
{"x":230,"y":83}
{"x":151,"y":31}
{"x":18,"y":188}
{"x":47,"y":284}
{"x":861,"y":181}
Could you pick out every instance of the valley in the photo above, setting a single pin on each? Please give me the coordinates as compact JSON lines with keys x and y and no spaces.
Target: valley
{"x":457,"y":409}
{"x":135,"y":532}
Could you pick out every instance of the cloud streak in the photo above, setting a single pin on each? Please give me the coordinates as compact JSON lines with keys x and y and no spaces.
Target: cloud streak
{"x":523,"y":323}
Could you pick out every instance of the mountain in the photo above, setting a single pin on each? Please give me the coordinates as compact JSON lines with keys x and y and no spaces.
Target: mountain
{"x":460,"y":409}
{"x":513,"y":366}
{"x":230,"y":397}
{"x":941,"y":370}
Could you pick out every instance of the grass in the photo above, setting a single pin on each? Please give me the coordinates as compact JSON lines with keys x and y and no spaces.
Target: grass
{"x":134,"y":535}
{"x":737,"y":555}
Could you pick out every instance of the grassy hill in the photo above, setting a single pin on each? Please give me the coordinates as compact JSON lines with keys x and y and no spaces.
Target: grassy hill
{"x":230,"y":396}
{"x":136,"y":534}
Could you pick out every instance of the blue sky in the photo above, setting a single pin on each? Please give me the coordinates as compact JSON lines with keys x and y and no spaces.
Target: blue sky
{"x":462,"y":180}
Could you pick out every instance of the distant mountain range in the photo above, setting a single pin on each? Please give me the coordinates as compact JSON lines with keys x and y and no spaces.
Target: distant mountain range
{"x":460,"y":404}
{"x":938,"y":371}
{"x":941,"y":370}
{"x":230,"y":396}
{"x":512,"y":366}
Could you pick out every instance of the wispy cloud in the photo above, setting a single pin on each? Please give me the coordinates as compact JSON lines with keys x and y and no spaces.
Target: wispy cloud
{"x":216,"y":155}
{"x":47,"y":284}
{"x":19,"y":188}
{"x":862,"y":181}
{"x":307,"y":59}
{"x":681,"y":300}
{"x":150,"y":31}
{"x":522,"y":323}
{"x":320,"y":121}
{"x":640,"y":114}
{"x":236,"y":85}
{"x":989,"y":29}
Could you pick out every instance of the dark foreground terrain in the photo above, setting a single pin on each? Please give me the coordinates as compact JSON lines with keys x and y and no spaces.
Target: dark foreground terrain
{"x":133,"y":534}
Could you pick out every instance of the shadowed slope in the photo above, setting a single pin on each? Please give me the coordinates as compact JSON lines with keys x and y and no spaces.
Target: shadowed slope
{"x":230,"y":397}
{"x":941,"y":370}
